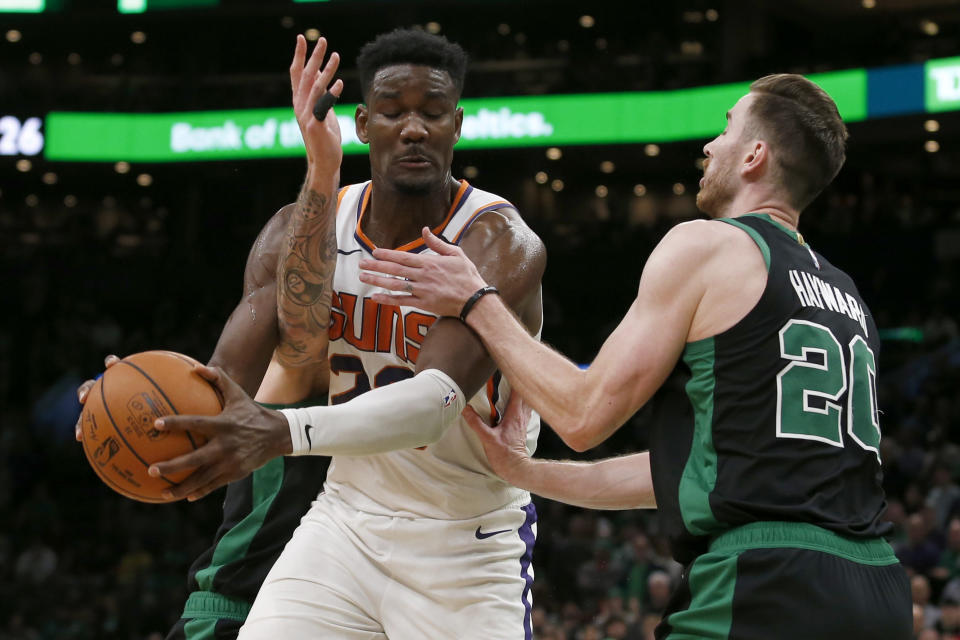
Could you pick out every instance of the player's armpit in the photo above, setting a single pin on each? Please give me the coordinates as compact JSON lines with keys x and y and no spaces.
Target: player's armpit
{"x":511,"y":257}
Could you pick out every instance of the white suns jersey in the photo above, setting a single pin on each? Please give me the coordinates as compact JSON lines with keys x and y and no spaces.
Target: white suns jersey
{"x":372,"y":345}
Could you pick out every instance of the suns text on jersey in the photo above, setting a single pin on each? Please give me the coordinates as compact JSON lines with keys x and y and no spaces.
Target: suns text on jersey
{"x":382,"y":328}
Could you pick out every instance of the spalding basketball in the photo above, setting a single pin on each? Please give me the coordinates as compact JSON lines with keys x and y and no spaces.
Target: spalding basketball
{"x":119,"y":438}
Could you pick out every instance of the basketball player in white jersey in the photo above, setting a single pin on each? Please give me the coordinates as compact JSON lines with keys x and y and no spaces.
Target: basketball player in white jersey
{"x":414,"y":536}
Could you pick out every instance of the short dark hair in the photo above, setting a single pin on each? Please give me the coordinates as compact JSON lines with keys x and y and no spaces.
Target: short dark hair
{"x":411,"y":46}
{"x":803,"y":124}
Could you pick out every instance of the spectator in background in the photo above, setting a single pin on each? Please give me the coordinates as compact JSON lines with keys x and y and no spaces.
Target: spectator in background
{"x":918,"y":554}
{"x":648,"y":625}
{"x":942,"y":495}
{"x":918,"y":622}
{"x":36,"y":563}
{"x":597,"y":576}
{"x":949,"y":623}
{"x":640,"y":569}
{"x":920,"y":591}
{"x":948,"y":567}
{"x":615,"y":629}
{"x":659,"y":586}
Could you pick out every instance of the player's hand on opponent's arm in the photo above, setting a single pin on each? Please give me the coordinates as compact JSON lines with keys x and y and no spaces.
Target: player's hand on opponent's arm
{"x":440,"y":283}
{"x":624,"y":482}
{"x":84,"y":389}
{"x":309,"y":82}
{"x":241,"y":438}
{"x":506,"y":443}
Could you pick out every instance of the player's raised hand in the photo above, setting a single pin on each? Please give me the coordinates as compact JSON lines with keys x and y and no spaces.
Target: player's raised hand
{"x":84,"y":389}
{"x":506,"y":443}
{"x":310,"y":84}
{"x":241,"y":438}
{"x":439,"y":283}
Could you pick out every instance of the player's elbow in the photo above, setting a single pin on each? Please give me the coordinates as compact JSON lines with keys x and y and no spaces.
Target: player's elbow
{"x":577,"y":433}
{"x":578,"y":444}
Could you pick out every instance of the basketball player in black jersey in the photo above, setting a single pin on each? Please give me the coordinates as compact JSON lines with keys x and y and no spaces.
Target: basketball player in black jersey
{"x":769,"y":481}
{"x":262,"y":509}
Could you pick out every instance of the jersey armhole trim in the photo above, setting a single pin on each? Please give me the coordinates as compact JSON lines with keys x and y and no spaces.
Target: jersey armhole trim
{"x":494,"y":206}
{"x":757,"y":238}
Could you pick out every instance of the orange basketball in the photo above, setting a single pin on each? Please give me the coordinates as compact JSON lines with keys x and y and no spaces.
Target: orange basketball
{"x":117,"y":420}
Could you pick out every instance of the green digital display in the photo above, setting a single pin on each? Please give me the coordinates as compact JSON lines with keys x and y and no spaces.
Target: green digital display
{"x":942,"y":81}
{"x":141,"y":6}
{"x":604,"y":118}
{"x":30,"y":6}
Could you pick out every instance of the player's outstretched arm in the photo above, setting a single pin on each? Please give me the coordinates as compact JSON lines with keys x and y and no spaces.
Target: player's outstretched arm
{"x":583,"y":406}
{"x":613,"y":483}
{"x":308,"y":255}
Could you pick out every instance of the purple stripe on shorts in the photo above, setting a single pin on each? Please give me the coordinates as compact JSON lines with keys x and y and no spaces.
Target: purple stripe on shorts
{"x":528,"y":537}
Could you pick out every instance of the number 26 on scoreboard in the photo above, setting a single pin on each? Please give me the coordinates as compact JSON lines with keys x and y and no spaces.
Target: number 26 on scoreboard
{"x":20,"y":138}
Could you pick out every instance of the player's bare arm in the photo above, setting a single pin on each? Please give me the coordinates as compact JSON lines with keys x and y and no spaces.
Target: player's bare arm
{"x":250,"y":334}
{"x":306,"y":262}
{"x":624,"y":482}
{"x":586,"y":406}
{"x":509,"y":256}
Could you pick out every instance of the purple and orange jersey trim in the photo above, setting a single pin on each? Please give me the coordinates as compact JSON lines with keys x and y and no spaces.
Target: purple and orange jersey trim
{"x":493,"y":395}
{"x":500,"y":204}
{"x":417,"y":245}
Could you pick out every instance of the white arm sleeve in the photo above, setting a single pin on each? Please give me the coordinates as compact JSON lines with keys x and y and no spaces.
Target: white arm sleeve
{"x":411,"y":413}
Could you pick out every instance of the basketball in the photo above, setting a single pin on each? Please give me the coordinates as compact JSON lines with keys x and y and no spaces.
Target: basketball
{"x":118,"y":435}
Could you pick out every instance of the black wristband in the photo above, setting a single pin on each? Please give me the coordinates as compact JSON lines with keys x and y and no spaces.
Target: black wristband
{"x":468,"y":305}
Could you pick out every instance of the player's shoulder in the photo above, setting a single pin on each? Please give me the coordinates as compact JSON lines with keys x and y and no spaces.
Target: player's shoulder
{"x":275,"y":227}
{"x":501,"y":229}
{"x":488,"y":213}
{"x":702,"y":238}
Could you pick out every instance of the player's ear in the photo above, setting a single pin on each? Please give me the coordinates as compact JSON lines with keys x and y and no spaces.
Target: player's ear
{"x":756,"y":160}
{"x":360,"y":118}
{"x":458,"y":118}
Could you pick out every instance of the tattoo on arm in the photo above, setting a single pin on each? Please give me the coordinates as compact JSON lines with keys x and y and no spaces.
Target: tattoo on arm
{"x":304,"y":279}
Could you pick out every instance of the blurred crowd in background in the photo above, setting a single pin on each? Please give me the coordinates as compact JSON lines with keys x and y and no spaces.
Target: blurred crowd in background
{"x":77,"y":561}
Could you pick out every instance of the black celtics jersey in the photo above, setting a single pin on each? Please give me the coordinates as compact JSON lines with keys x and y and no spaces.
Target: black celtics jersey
{"x":260,"y":513}
{"x":778,"y":416}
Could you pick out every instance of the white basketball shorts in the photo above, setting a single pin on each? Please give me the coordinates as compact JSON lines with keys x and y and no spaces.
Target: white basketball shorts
{"x":353,"y":575}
